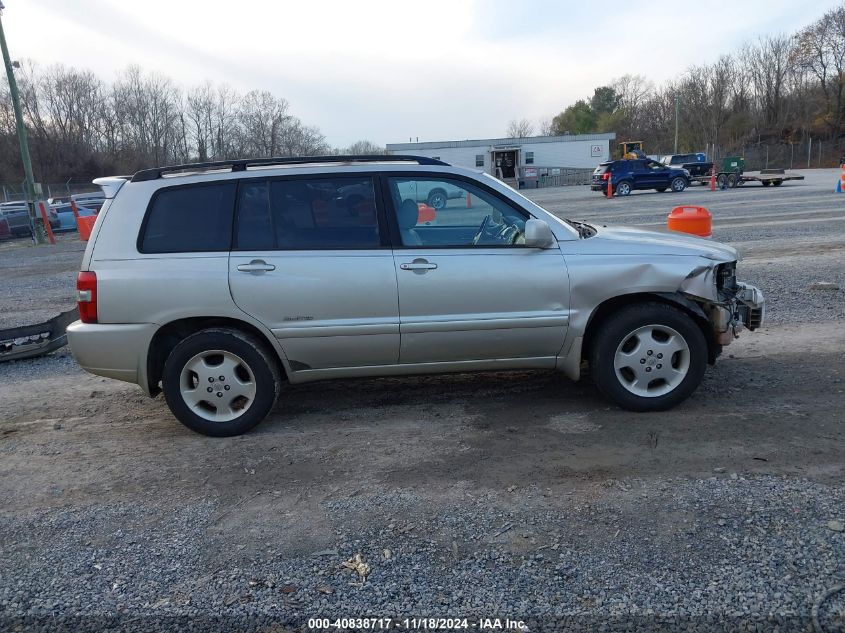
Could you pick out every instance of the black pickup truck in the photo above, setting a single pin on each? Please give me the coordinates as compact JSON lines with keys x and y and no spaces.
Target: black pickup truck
{"x":689,"y":162}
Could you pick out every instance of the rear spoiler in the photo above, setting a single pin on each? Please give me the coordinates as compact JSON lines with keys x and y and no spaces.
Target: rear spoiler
{"x":111,"y":184}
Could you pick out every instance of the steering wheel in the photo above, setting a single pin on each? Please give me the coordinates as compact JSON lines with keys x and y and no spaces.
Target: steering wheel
{"x":481,"y":228}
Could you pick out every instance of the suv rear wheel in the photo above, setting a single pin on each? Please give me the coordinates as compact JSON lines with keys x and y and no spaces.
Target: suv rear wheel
{"x":623,"y":188}
{"x":649,"y":357}
{"x":220,"y":382}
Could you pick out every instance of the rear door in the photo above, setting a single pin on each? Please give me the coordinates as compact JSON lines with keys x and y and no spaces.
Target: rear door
{"x":467,"y":289}
{"x":311,"y":261}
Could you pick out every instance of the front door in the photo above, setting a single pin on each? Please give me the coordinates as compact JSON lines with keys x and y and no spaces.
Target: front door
{"x":468,"y":289}
{"x":309,"y":262}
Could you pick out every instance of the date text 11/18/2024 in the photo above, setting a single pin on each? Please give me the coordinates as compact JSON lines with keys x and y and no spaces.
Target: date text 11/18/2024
{"x":430,"y":624}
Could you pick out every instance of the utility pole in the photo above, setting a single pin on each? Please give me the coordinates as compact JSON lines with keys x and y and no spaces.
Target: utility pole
{"x":37,"y":234}
{"x":676,"y":124}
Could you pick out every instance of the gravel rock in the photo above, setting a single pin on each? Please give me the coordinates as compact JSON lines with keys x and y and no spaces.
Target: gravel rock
{"x":157,"y":567}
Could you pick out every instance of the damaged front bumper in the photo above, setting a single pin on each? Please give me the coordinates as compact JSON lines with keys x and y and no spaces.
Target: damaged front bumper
{"x":745,"y":309}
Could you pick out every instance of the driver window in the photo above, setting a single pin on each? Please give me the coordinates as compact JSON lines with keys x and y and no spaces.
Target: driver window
{"x":453,"y":213}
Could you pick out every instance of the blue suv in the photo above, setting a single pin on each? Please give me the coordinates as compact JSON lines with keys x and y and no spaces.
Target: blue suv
{"x":628,"y":175}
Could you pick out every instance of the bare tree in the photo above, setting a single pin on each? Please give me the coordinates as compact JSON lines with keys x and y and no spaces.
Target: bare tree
{"x":767,"y":61}
{"x":362,"y":148}
{"x":820,"y":49}
{"x":520,"y":128}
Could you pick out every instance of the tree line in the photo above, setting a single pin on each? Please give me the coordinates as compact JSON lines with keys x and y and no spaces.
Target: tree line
{"x":777,"y":89}
{"x":80,"y":126}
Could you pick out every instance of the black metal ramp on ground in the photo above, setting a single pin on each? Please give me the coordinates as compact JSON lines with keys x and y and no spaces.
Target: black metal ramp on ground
{"x":29,"y":341}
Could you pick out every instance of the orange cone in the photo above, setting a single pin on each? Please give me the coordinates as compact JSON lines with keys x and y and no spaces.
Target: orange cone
{"x":610,"y":187}
{"x":713,"y":178}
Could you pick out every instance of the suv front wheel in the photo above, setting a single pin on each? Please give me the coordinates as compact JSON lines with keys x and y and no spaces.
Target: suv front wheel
{"x":220,"y":382}
{"x":679,"y":184}
{"x":649,"y":357}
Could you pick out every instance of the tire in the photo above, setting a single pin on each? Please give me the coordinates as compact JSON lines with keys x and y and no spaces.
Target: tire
{"x":660,"y":189}
{"x":678,"y":184}
{"x":620,"y":361}
{"x":732,"y":181}
{"x":623,"y":188}
{"x":777,"y":183}
{"x":437,"y":199}
{"x":247,"y":369}
{"x":722,"y":181}
{"x":765,"y":183}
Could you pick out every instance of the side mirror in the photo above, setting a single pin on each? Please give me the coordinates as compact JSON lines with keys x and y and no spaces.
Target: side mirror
{"x":538,"y":234}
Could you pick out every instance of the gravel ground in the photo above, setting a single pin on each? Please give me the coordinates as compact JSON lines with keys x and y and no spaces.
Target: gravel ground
{"x":515,"y":495}
{"x":584,"y":562}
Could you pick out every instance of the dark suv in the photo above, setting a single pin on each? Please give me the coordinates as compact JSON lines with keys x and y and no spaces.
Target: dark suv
{"x":627,"y":175}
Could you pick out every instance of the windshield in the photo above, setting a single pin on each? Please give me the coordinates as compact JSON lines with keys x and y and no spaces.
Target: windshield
{"x":531,"y":204}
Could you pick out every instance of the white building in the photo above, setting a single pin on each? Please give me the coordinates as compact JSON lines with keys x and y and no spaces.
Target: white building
{"x":517,"y":158}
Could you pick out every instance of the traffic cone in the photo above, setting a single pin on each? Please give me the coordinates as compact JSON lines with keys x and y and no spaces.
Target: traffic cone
{"x":610,"y":187}
{"x":838,"y":186}
{"x":713,"y":178}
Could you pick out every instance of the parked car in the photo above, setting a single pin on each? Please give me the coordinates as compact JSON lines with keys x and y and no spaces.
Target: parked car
{"x":630,"y":175}
{"x":17,"y":217}
{"x":693,"y":163}
{"x":67,"y":220}
{"x":217,"y":286}
{"x":4,"y":227}
{"x":92,"y":200}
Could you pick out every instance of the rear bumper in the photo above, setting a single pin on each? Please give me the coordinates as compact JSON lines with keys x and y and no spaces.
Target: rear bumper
{"x":116,"y":351}
{"x":598,"y":187}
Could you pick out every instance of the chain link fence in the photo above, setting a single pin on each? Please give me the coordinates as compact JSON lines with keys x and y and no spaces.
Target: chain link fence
{"x":13,"y":192}
{"x":810,"y":154}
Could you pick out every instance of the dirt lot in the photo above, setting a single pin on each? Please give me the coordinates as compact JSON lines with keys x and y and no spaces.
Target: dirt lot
{"x":515,"y":495}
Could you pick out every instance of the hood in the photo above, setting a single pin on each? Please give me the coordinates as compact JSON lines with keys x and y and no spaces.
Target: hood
{"x":628,"y":240}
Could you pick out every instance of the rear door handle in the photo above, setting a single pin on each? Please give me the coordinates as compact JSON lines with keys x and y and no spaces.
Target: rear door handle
{"x":418,"y":265}
{"x":256,"y":266}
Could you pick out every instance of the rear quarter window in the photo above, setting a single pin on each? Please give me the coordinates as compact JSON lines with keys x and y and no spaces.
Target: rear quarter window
{"x":189,"y":219}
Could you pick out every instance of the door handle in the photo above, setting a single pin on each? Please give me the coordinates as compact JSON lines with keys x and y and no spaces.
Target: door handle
{"x":418,"y":264}
{"x":256,"y":266}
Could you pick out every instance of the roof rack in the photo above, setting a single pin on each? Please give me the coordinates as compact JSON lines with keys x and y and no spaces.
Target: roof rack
{"x":242,"y":164}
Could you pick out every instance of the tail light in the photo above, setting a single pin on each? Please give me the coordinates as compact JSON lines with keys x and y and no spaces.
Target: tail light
{"x":86,"y":296}
{"x":605,"y":175}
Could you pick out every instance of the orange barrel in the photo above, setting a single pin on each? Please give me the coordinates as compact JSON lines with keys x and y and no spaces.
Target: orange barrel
{"x":426,"y":213}
{"x":85,"y":223}
{"x":694,"y":220}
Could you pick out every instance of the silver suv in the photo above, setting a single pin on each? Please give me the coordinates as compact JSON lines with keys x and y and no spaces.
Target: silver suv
{"x":217,"y":283}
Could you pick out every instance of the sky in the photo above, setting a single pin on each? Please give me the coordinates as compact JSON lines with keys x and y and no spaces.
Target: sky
{"x":389,"y":71}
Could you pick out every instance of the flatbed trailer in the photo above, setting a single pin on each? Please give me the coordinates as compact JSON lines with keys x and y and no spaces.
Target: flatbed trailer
{"x":731,"y":179}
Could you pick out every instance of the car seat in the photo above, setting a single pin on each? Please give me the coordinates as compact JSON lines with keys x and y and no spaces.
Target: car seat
{"x":407,"y":217}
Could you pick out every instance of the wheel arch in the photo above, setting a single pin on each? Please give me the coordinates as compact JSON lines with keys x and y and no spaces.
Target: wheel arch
{"x":170,"y":334}
{"x":609,"y":306}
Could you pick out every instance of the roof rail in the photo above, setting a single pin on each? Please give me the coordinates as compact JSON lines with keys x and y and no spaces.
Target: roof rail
{"x":243,"y":164}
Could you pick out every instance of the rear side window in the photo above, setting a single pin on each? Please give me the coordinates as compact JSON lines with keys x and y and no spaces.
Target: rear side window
{"x":300,"y":214}
{"x":192,"y":219}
